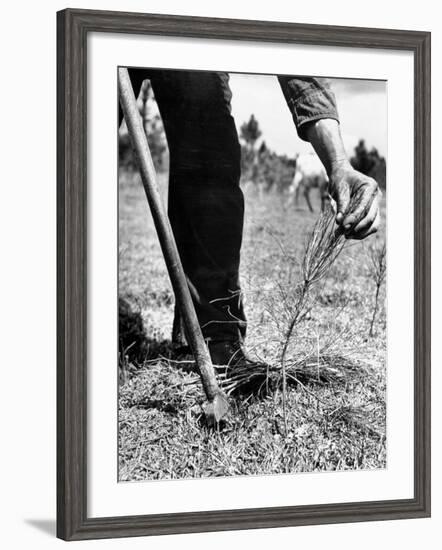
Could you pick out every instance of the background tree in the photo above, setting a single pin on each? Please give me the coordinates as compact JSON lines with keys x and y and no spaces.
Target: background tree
{"x":153,"y":126}
{"x":261,"y":165}
{"x":250,"y":132}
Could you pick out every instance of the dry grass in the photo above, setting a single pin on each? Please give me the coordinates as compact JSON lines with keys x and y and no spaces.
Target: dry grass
{"x":326,"y":412}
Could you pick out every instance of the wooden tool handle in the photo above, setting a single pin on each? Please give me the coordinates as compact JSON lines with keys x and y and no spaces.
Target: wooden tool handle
{"x":168,"y":245}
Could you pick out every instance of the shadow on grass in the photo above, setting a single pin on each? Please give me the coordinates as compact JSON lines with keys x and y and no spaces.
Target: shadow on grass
{"x":133,"y":343}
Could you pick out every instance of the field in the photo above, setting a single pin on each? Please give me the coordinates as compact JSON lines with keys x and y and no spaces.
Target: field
{"x":330,"y":415}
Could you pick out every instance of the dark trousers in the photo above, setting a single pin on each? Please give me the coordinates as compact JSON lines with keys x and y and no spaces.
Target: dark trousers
{"x":206,"y":205}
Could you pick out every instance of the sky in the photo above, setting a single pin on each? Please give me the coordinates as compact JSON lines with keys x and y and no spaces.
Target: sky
{"x":362,"y":107}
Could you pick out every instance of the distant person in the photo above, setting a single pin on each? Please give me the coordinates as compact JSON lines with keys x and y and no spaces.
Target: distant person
{"x":206,"y":205}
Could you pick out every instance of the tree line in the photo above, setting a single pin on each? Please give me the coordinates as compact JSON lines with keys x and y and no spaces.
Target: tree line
{"x":259,"y":164}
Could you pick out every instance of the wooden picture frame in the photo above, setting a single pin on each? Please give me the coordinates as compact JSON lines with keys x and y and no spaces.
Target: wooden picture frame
{"x":73,"y":27}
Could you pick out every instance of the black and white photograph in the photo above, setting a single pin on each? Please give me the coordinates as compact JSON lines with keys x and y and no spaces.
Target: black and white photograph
{"x":252,"y":265}
{"x":218,"y":249}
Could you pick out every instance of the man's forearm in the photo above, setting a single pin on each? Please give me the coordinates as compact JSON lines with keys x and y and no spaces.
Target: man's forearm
{"x":325,"y":137}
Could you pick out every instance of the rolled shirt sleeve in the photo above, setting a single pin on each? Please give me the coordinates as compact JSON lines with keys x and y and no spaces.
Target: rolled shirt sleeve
{"x":308,"y":99}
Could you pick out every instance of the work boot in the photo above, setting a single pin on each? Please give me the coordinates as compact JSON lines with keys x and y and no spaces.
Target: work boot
{"x":228,"y":356}
{"x":230,"y":353}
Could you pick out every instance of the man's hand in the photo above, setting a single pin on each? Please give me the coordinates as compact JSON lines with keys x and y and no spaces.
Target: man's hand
{"x":357,"y":200}
{"x":356,"y":195}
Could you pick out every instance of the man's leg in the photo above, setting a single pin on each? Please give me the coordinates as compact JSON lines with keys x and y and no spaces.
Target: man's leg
{"x":206,"y":206}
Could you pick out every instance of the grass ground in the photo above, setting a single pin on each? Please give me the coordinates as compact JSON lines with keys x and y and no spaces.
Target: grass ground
{"x":333,"y":419}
